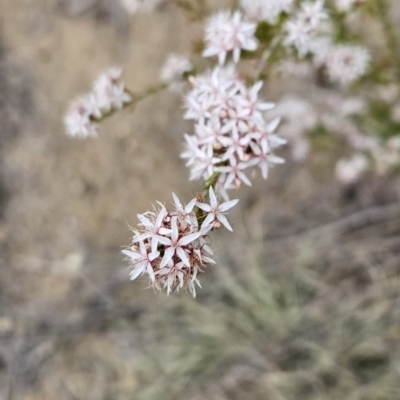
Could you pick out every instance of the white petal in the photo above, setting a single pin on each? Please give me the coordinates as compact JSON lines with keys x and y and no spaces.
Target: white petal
{"x":204,"y":207}
{"x":213,"y":198}
{"x":161,"y":216}
{"x":178,"y":204}
{"x":210,"y":218}
{"x":182,"y":255}
{"x":224,"y":221}
{"x":175,"y":232}
{"x":135,"y":273}
{"x":226,"y":206}
{"x":150,"y":271}
{"x":189,"y":238}
{"x":131,"y":254}
{"x":164,"y":240}
{"x":190,"y":206}
{"x":169,"y":253}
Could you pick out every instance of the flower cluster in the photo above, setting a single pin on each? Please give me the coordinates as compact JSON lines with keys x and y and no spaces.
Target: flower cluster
{"x":225,"y":33}
{"x":174,"y":69}
{"x":231,"y":133}
{"x":171,"y":246}
{"x":310,"y":32}
{"x":108,"y":94}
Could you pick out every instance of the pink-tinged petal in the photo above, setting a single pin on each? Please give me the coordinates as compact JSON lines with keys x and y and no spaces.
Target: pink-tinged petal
{"x":226,"y":206}
{"x":244,"y":178}
{"x":264,"y":170}
{"x":164,"y":240}
{"x":135,"y":273}
{"x":132,"y":255}
{"x":273,"y":124}
{"x":177,"y":202}
{"x":221,"y":57}
{"x":190,"y":206}
{"x":145,"y":221}
{"x":182,"y":255}
{"x":169,"y":253}
{"x":175,"y":232}
{"x":161,"y":216}
{"x":142,"y":237}
{"x":224,"y":221}
{"x":185,"y":240}
{"x":164,"y":231}
{"x":236,"y":55}
{"x":276,"y":160}
{"x":213,"y":198}
{"x":204,"y":207}
{"x":150,"y":271}
{"x":209,"y":219}
{"x":265,"y":106}
{"x":143,"y":248}
{"x":256,"y":88}
{"x":154,"y":244}
{"x":152,"y":256}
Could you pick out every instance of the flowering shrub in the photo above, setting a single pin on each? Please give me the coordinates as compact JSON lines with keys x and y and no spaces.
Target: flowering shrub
{"x":236,"y":131}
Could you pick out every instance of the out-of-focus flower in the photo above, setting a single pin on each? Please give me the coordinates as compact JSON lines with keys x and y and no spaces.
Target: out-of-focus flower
{"x":226,"y":32}
{"x":171,"y":247}
{"x":297,"y":69}
{"x":298,"y":117}
{"x":349,"y":171}
{"x":173,"y":70}
{"x":108,"y":93}
{"x":109,"y":89}
{"x":306,"y":30}
{"x":138,"y":6}
{"x":388,"y":93}
{"x":265,"y":10}
{"x":79,"y":118}
{"x":346,"y":63}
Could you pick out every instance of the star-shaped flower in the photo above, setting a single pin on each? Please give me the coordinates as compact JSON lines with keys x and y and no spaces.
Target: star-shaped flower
{"x":141,"y":261}
{"x":176,"y":245}
{"x":216,"y":212}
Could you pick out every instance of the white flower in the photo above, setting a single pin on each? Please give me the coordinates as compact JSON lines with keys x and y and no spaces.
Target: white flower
{"x":137,"y":6}
{"x":152,"y":229}
{"x":233,"y":173}
{"x":79,"y":118}
{"x":176,"y":245}
{"x":109,"y":90}
{"x":226,"y":33}
{"x":348,"y":171}
{"x":141,"y":261}
{"x":265,"y":10}
{"x":306,"y":31}
{"x":173,"y":69}
{"x":215,"y":212}
{"x":346,"y":63}
{"x":298,"y":117}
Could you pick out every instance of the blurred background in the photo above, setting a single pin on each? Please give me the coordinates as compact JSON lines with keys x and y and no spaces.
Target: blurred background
{"x":302,"y":304}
